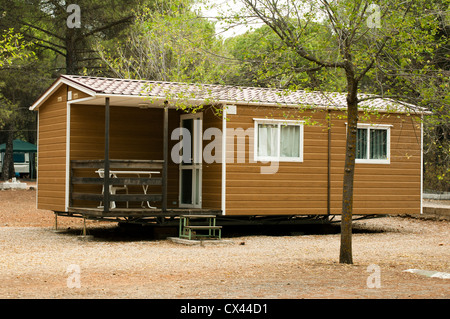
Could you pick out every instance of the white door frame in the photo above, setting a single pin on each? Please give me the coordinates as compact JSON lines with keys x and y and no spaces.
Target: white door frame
{"x":196,"y":164}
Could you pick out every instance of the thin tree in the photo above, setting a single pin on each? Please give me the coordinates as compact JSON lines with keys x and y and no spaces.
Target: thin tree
{"x":366,"y":38}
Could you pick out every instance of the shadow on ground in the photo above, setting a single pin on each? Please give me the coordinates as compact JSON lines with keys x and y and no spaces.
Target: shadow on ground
{"x":136,"y":232}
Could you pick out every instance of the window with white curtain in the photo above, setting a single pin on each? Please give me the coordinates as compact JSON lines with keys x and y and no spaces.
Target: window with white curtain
{"x":373,"y":144}
{"x":278,"y":140}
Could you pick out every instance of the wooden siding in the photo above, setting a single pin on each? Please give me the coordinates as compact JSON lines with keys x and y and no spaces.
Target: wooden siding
{"x":212,"y":172}
{"x":52,"y":152}
{"x":295,"y":188}
{"x":76,"y":94}
{"x":301,"y":187}
{"x":392,"y":188}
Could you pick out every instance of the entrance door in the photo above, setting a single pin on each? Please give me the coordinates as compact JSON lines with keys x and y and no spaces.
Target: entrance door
{"x":191,"y":162}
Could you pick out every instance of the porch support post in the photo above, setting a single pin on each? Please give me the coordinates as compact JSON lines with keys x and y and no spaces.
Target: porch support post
{"x":165,"y":155}
{"x":106,"y":166}
{"x":329,"y":164}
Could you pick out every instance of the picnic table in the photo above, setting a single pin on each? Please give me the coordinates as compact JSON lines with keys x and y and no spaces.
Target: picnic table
{"x":114,"y":174}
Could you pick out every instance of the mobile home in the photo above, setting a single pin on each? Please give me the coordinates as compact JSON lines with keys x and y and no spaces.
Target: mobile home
{"x":131,"y":149}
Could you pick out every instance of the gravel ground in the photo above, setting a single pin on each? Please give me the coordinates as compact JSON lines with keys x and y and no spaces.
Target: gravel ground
{"x":36,"y":261}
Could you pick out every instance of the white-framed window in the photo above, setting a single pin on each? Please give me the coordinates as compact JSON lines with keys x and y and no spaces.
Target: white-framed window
{"x":373,"y":144}
{"x":278,"y":140}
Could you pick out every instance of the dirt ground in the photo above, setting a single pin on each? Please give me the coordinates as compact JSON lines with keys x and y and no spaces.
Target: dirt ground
{"x":38,"y":262}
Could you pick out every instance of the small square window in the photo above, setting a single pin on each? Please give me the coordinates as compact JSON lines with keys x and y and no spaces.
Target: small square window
{"x":373,"y":144}
{"x":278,"y":140}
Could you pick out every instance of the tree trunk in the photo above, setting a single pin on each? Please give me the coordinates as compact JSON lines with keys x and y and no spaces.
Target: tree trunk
{"x":71,"y":53}
{"x":8,"y":161}
{"x":345,"y":256}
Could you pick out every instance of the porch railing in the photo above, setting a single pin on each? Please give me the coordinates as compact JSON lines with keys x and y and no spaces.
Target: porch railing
{"x":85,"y":172}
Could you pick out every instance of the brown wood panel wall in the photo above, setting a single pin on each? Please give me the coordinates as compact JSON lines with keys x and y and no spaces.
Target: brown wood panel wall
{"x":301,"y":188}
{"x":52,"y":152}
{"x":212,"y":172}
{"x":392,"y":188}
{"x":295,"y":188}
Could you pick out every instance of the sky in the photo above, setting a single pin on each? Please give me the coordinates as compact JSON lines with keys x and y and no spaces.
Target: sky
{"x":225,"y":7}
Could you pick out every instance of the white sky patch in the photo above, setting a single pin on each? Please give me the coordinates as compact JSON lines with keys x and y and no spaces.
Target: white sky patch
{"x":214,"y":9}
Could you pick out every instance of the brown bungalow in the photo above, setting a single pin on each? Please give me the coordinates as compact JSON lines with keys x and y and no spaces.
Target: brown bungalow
{"x":245,"y":152}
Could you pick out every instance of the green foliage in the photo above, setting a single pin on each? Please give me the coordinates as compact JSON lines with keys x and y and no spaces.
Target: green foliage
{"x":47,"y":22}
{"x":264,"y":60}
{"x":13,"y":48}
{"x":168,"y":42}
{"x":436,"y":154}
{"x":14,"y":52}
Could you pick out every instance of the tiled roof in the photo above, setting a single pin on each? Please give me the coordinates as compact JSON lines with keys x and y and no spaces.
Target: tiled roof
{"x":223,"y":93}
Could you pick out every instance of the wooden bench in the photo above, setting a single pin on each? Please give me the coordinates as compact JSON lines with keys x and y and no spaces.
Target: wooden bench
{"x":187,"y":230}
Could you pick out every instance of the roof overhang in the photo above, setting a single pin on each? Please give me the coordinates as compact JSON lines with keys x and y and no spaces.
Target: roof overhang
{"x":55,"y":86}
{"x":95,"y":98}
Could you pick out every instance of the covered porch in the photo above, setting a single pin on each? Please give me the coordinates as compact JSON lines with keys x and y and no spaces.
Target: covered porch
{"x":120,"y":165}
